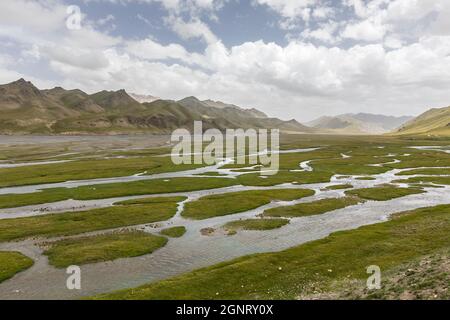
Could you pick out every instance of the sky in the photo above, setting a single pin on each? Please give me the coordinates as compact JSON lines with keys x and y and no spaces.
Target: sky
{"x":289,"y":58}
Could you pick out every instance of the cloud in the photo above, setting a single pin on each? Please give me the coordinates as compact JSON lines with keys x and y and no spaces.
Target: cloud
{"x":323,"y":12}
{"x":386,"y":68}
{"x":289,"y":8}
{"x":324,"y":33}
{"x":106,"y":19}
{"x":176,"y":7}
{"x":192,"y":29}
{"x":39,"y":16}
{"x":301,"y":79}
{"x":76,"y":57}
{"x":151,"y":50}
{"x":366,"y":30}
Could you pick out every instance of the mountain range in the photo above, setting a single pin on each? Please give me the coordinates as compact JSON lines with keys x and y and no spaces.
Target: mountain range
{"x":360,"y":123}
{"x":27,"y":110}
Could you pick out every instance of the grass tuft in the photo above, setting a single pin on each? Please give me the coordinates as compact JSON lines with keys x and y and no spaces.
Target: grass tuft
{"x":12,"y":263}
{"x":105,"y":247}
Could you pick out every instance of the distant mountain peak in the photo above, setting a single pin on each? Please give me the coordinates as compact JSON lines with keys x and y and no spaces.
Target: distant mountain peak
{"x":55,"y":90}
{"x":23,"y":83}
{"x":21,"y":80}
{"x":358,"y":123}
{"x":143,"y":98}
{"x":116,"y":101}
{"x":26,"y":87}
{"x":190,"y":98}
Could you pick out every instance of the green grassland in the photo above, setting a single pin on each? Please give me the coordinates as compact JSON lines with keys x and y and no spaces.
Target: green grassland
{"x":256,"y":179}
{"x":150,"y":200}
{"x":437,"y":180}
{"x":255,"y":224}
{"x":87,"y":169}
{"x":12,"y":263}
{"x":300,"y":270}
{"x":312,"y":208}
{"x":290,"y":274}
{"x":423,"y":278}
{"x":339,"y":187}
{"x":383,"y":193}
{"x":234,"y":202}
{"x":105,"y":247}
{"x":431,"y":171}
{"x":356,"y":165}
{"x":325,"y":162}
{"x":174,"y":232}
{"x":112,"y":190}
{"x":421,"y":158}
{"x":70,"y":223}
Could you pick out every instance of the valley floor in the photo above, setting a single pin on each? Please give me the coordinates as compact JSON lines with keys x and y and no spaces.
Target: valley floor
{"x":120,"y":209}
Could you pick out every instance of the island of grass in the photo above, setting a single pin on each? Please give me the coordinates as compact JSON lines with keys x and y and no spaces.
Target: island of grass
{"x":150,"y":200}
{"x":429,"y":171}
{"x":70,"y":223}
{"x":212,"y":174}
{"x":234,"y":202}
{"x":383,"y":193}
{"x":113,"y":190}
{"x":174,"y":232}
{"x":87,"y":169}
{"x":365,"y":178}
{"x":256,"y":179}
{"x":435,"y":180}
{"x":300,"y":270}
{"x":312,"y":208}
{"x":11,"y":263}
{"x":107,"y":247}
{"x":426,"y":185}
{"x":339,"y":187}
{"x":255,"y":224}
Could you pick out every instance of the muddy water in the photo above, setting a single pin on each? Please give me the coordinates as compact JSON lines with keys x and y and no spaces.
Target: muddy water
{"x":194,"y":250}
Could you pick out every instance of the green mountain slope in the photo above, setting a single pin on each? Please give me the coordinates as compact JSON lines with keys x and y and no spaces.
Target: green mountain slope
{"x":434,"y":122}
{"x":27,"y":110}
{"x":116,"y":101}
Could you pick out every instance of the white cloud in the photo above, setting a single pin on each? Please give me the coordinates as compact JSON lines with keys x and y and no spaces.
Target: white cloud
{"x":323,"y":12}
{"x":288,"y":8}
{"x":192,"y":29}
{"x":325,"y":33}
{"x":106,"y":19}
{"x":390,"y":74}
{"x":366,"y":30}
{"x":177,"y":6}
{"x":151,"y":50}
{"x":39,"y":16}
{"x":76,"y":57}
